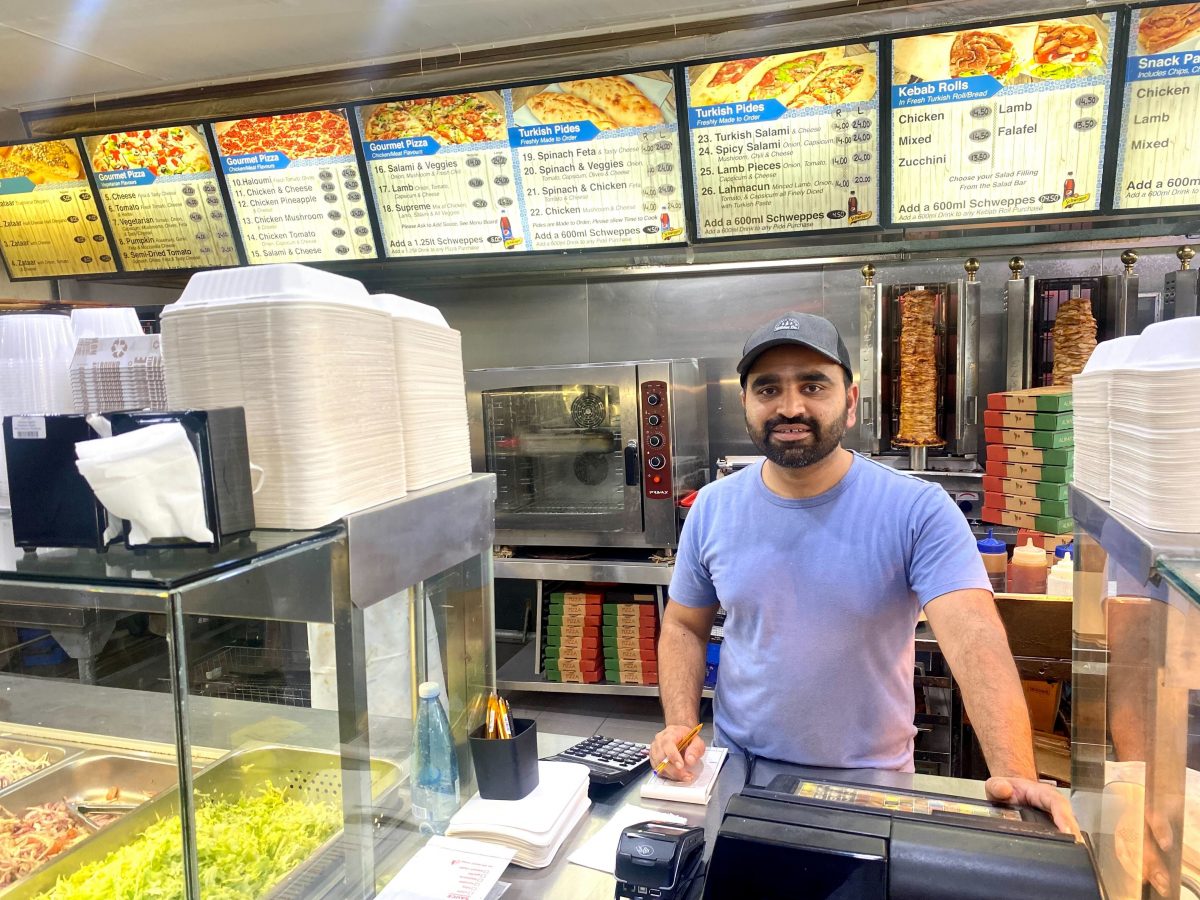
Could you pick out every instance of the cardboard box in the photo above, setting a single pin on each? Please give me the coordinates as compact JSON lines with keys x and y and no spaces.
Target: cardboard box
{"x":1043,"y":399}
{"x":575,"y":618}
{"x":1042,"y":699}
{"x":1052,"y":752}
{"x":1031,"y":505}
{"x":573,"y":629}
{"x":631,"y":643}
{"x":580,"y":641}
{"x":1032,"y":455}
{"x":1017,"y":487}
{"x":612,"y":654}
{"x":994,"y":418}
{"x":1047,"y":524}
{"x":1028,"y":472}
{"x":1045,"y":440}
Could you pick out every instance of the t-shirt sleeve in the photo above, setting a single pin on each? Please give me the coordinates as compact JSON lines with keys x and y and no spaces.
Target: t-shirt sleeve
{"x":691,"y":583}
{"x":944,"y":557}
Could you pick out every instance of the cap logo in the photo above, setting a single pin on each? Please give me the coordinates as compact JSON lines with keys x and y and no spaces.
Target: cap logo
{"x":787,"y":324}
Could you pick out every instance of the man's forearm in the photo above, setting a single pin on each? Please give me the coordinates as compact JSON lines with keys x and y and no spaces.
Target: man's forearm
{"x":680,"y":674}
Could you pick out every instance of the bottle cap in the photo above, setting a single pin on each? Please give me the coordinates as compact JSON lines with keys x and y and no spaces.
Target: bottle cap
{"x":1063,"y":549}
{"x":1063,"y":567}
{"x":991,"y":544}
{"x":429,"y":689}
{"x":1029,"y":554}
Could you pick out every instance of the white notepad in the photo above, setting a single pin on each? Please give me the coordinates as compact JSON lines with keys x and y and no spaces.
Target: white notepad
{"x":698,"y":791}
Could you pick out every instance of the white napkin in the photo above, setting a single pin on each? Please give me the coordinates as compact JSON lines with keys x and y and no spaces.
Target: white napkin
{"x":152,"y":478}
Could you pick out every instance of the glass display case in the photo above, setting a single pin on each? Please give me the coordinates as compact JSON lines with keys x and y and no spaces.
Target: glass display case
{"x":258,"y":743}
{"x":1136,"y":702}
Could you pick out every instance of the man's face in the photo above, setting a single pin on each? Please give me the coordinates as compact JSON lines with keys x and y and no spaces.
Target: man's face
{"x":797,"y":406}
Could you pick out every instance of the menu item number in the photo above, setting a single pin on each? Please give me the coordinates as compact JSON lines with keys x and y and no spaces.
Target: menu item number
{"x":442,"y":174}
{"x":1158,"y":162}
{"x":999,"y":122}
{"x":49,"y":221}
{"x":296,"y":187}
{"x":786,"y":142}
{"x":162,"y":198}
{"x":598,"y":161}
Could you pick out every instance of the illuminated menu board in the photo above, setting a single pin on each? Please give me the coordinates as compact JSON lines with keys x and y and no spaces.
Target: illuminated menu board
{"x":1158,"y":162}
{"x":442,"y":174}
{"x":1000,"y":122}
{"x":162,"y":198}
{"x":786,"y":142}
{"x":598,"y":161}
{"x":296,"y":188}
{"x":49,"y":221}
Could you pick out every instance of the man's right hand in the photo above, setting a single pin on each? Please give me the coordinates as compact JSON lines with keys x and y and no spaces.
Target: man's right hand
{"x":680,"y":766}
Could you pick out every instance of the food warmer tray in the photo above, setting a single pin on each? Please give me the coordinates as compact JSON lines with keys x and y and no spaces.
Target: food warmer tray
{"x":56,"y":752}
{"x":316,"y":774}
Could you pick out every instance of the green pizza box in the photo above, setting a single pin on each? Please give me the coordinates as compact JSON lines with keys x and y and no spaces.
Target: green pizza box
{"x":1028,"y":472}
{"x":1031,"y":421}
{"x":1044,"y":524}
{"x":1042,"y":399}
{"x":1043,"y":440}
{"x":1017,"y":487}
{"x":1056,"y":508}
{"x":1034,"y":456}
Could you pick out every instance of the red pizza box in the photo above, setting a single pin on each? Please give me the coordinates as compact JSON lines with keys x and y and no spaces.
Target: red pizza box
{"x":1042,"y":399}
{"x":581,"y":642}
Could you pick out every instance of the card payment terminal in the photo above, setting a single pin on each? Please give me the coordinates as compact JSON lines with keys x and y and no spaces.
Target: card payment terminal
{"x":658,"y":860}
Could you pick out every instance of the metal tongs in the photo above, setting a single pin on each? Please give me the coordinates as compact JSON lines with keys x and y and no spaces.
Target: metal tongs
{"x":86,"y":810}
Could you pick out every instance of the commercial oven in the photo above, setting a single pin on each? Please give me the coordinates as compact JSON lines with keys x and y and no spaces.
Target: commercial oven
{"x":590,"y":455}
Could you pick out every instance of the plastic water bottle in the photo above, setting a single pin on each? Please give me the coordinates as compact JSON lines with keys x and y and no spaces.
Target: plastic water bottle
{"x":433,"y":766}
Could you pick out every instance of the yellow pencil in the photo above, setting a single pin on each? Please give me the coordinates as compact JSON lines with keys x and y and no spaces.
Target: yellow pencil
{"x":681,"y":746}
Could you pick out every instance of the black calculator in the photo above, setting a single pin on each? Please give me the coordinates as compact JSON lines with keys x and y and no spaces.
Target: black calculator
{"x":609,"y":760}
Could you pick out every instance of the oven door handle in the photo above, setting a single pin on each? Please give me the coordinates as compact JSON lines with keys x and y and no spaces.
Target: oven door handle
{"x":633,"y":468}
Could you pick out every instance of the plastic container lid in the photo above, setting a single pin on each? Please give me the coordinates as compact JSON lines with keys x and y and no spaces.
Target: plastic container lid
{"x":1029,"y":555}
{"x":1064,"y":567}
{"x":1063,"y":550}
{"x":403,"y":308}
{"x":991,"y":544}
{"x":281,"y":281}
{"x":429,"y":689}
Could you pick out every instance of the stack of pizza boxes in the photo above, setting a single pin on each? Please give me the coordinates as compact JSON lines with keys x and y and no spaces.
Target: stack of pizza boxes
{"x":1030,"y":455}
{"x":573,"y":638}
{"x":630,"y":635}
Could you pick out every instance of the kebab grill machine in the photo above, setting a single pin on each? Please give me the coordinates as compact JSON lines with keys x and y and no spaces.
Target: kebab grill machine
{"x":919,"y":380}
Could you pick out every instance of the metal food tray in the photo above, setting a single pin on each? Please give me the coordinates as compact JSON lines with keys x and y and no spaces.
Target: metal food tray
{"x":57,"y":753}
{"x":315,"y":774}
{"x":89,"y":777}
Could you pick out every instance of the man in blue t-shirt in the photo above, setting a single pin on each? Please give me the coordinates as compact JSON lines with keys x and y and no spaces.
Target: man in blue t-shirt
{"x":823,"y":560}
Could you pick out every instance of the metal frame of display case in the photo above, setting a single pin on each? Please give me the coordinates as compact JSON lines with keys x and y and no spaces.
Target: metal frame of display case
{"x":326,"y":576}
{"x":1116,"y":557}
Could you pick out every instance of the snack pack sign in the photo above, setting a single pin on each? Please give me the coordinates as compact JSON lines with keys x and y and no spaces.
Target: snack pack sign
{"x":786,"y":142}
{"x":1000,"y":122}
{"x":1158,"y":161}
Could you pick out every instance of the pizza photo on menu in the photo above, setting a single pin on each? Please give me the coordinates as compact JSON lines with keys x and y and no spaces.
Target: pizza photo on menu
{"x":1165,"y":28}
{"x":800,"y":79}
{"x":608,"y":102}
{"x":177,"y":150}
{"x":473,"y":118}
{"x":45,"y":162}
{"x":318,"y":134}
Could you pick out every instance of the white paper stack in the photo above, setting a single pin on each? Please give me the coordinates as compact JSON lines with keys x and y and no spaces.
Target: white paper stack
{"x":1154,"y":406}
{"x":115,"y":373}
{"x":535,"y":826}
{"x":311,"y":359}
{"x":432,"y":389}
{"x":1090,"y":391}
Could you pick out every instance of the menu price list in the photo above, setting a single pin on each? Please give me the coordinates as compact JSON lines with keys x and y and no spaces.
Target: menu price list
{"x":442,"y":174}
{"x":162,"y":199}
{"x":791,"y":145}
{"x":1000,"y":122}
{"x":1159,"y":157}
{"x":296,"y":188}
{"x":49,"y":221}
{"x":598,"y":162}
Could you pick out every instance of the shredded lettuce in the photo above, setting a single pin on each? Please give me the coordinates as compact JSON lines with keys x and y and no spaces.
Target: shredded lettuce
{"x":244,"y":846}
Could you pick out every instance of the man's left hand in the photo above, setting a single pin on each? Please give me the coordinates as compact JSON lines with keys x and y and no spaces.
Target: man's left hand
{"x":1046,"y":797}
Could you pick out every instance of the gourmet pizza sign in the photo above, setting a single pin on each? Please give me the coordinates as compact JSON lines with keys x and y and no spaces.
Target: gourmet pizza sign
{"x":999,"y":122}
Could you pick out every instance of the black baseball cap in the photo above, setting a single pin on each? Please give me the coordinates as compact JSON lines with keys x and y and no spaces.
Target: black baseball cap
{"x":803,"y":329}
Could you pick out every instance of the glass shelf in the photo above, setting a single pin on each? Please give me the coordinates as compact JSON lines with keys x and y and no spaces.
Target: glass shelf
{"x":1184,"y":574}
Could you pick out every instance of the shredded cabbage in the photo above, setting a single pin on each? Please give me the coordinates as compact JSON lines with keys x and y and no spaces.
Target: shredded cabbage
{"x":244,"y":846}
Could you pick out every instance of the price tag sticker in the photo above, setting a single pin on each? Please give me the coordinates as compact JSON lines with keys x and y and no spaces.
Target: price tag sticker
{"x":29,"y":428}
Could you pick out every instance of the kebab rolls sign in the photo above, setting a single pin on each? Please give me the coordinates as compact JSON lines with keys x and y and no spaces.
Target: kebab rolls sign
{"x":1065,"y":49}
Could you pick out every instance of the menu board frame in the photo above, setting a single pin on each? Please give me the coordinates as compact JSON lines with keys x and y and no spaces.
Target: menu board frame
{"x":100,"y":211}
{"x":348,"y":105}
{"x":1107,"y":143}
{"x":500,"y":87}
{"x":883,"y":140}
{"x":200,"y":125}
{"x":1121,"y":80}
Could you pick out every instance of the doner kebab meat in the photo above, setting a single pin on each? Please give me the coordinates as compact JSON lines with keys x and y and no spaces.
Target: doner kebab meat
{"x":1074,"y":336}
{"x":918,"y":371}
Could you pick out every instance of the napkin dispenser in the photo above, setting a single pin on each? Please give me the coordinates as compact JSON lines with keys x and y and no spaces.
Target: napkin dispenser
{"x":52,"y":504}
{"x":219,"y":438}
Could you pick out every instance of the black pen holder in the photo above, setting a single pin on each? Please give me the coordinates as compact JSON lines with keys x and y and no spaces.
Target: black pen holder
{"x":506,"y":768}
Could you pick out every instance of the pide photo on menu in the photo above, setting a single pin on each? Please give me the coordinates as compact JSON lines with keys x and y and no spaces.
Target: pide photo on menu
{"x":1001,"y":121}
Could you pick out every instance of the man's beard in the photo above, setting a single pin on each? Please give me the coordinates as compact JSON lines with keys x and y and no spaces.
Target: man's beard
{"x":791,"y":455}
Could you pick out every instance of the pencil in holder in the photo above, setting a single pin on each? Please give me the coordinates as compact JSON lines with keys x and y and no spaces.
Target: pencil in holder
{"x":506,"y":768}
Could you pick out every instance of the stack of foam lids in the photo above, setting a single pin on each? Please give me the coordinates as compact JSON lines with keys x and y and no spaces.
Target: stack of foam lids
{"x":432,"y":390}
{"x":1090,"y":392}
{"x":312,"y":360}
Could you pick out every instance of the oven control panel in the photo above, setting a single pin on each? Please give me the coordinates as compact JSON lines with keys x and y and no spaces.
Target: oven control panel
{"x":656,"y":441}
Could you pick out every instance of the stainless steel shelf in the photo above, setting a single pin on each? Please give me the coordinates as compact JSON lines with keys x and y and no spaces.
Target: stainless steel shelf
{"x":517,"y":675}
{"x":620,"y":572}
{"x":1141,"y":551}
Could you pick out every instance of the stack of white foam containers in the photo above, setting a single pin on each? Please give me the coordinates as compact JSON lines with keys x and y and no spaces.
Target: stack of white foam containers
{"x":311,"y":358}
